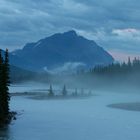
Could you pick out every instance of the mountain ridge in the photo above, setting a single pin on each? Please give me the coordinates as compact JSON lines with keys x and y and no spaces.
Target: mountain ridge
{"x":56,"y":50}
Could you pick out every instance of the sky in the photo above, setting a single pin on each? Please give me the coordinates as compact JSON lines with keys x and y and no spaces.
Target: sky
{"x":113,"y":24}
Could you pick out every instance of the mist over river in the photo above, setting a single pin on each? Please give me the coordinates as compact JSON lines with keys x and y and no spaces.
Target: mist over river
{"x":75,"y":119}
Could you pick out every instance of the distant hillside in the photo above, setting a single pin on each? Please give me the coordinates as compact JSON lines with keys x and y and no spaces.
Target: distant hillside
{"x":62,"y":50}
{"x":17,"y":61}
{"x":20,"y":75}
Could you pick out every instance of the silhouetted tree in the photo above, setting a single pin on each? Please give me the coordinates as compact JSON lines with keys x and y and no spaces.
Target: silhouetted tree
{"x":4,"y":90}
{"x":129,"y":62}
{"x":1,"y":89}
{"x":6,"y":82}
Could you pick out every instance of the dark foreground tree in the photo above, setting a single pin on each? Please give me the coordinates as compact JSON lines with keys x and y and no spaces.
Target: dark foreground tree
{"x":5,"y":114}
{"x":6,"y":83}
{"x":1,"y":89}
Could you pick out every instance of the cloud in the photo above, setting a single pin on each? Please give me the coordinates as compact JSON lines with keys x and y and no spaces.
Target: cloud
{"x":129,"y":33}
{"x":112,"y":24}
{"x":69,"y":67}
{"x":123,"y":56}
{"x":96,"y":35}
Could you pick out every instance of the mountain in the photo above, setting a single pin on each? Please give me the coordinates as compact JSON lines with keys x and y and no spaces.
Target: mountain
{"x":18,"y":74}
{"x":17,"y":61}
{"x":62,"y":50}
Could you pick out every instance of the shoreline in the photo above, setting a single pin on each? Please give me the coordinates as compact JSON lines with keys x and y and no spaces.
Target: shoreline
{"x":44,"y":96}
{"x":132,"y":106}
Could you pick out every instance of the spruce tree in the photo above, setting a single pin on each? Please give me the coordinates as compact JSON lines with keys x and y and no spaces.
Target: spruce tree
{"x":6,"y":82}
{"x":4,"y":90}
{"x":1,"y":89}
{"x":51,"y":93}
{"x":64,"y":91}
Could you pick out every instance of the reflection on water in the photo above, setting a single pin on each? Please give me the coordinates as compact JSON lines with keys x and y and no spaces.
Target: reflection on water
{"x":5,"y":133}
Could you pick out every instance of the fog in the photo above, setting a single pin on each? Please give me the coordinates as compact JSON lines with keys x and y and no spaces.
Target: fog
{"x":99,"y":107}
{"x":87,"y":118}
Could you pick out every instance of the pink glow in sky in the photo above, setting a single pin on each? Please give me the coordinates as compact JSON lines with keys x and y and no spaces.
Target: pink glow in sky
{"x":122,"y":56}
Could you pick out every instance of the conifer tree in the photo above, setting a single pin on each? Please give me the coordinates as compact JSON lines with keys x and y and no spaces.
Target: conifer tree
{"x":6,"y":83}
{"x":4,"y":90}
{"x":51,"y":93}
{"x":1,"y":89}
{"x":129,"y":62}
{"x":64,"y":91}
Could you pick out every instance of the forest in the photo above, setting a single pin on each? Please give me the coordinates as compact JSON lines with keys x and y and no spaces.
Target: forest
{"x":126,"y":74}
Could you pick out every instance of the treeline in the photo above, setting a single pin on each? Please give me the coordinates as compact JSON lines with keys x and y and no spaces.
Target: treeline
{"x":124,"y":75}
{"x":5,"y":114}
{"x":118,"y":68}
{"x":66,"y":93}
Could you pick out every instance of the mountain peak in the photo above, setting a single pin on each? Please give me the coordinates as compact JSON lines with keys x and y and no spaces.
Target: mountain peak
{"x":63,"y":48}
{"x":71,"y":33}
